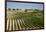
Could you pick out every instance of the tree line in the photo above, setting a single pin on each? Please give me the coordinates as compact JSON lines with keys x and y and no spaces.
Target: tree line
{"x":9,"y":9}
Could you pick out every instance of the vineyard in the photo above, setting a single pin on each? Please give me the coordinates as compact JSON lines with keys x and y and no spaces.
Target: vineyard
{"x":24,"y":20}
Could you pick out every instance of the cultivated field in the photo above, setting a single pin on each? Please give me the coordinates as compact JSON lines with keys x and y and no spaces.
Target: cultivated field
{"x":24,"y":20}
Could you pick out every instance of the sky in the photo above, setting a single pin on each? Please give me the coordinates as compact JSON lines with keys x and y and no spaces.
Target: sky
{"x":24,"y":5}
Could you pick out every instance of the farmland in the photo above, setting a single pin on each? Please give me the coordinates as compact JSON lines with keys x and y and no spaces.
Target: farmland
{"x":24,"y":20}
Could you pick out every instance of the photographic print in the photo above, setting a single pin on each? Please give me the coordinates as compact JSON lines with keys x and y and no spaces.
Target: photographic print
{"x":21,"y":16}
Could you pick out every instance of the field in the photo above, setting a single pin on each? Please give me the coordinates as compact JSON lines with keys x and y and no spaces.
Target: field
{"x":24,"y":20}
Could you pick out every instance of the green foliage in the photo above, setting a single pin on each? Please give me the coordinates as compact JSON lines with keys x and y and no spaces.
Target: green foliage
{"x":30,"y":18}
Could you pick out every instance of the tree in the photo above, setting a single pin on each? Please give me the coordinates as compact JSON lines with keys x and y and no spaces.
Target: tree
{"x":25,"y":10}
{"x":17,"y":9}
{"x":9,"y":9}
{"x":13,"y":9}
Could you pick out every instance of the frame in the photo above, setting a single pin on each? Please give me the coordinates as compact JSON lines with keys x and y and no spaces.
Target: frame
{"x":21,"y":2}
